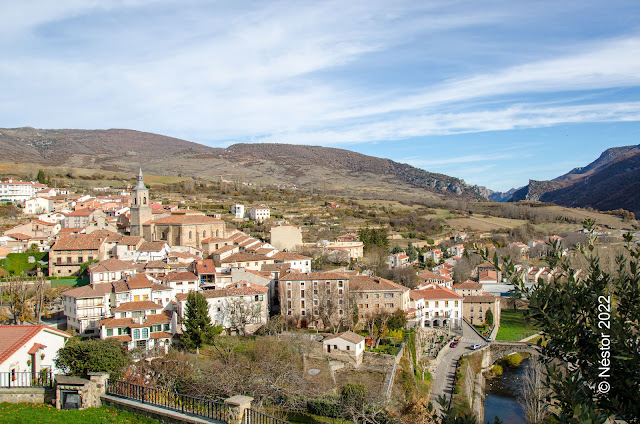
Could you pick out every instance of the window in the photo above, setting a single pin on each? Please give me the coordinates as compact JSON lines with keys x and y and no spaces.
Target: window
{"x":388,"y":295}
{"x":340,"y":312}
{"x":348,"y":347}
{"x":166,"y":327}
{"x":156,"y":328}
{"x":145,"y":333}
{"x":301,"y":293}
{"x":339,"y":283}
{"x":388,"y":305}
{"x":136,"y":334}
{"x":446,"y":303}
{"x":436,"y":303}
{"x":377,"y":305}
{"x":303,"y":313}
{"x":301,"y":283}
{"x":109,"y":332}
{"x":377,"y":296}
{"x":456,"y":303}
{"x":315,"y":302}
{"x":190,"y":235}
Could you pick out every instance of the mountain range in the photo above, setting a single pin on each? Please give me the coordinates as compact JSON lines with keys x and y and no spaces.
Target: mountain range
{"x":610,"y":182}
{"x":281,"y":164}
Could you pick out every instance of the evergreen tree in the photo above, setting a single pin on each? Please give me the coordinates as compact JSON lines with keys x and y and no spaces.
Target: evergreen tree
{"x":412,"y":253}
{"x":198,"y":328}
{"x":41,"y":177}
{"x":488,"y":318}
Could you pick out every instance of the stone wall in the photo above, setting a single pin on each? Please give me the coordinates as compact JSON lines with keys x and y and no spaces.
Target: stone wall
{"x":27,"y":395}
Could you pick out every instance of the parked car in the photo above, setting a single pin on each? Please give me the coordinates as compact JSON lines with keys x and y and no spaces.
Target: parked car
{"x":475,"y":347}
{"x":453,"y":344}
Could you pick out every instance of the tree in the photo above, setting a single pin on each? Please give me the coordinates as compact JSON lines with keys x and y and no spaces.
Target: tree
{"x":533,"y":393}
{"x":591,"y":324}
{"x":488,"y":318}
{"x":79,"y":357}
{"x":374,"y":237}
{"x":240,"y":312}
{"x":412,"y":252}
{"x":398,"y":320}
{"x":198,"y":328}
{"x":17,"y":294}
{"x":396,"y":249}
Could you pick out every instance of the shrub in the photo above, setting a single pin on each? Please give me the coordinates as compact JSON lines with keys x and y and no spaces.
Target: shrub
{"x":326,"y":407}
{"x":496,"y":369}
{"x":513,"y":360}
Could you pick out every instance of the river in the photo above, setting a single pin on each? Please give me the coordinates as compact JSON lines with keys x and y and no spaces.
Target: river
{"x":501,"y":396}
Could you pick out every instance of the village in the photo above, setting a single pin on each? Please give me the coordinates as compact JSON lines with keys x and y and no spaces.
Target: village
{"x":133,"y":262}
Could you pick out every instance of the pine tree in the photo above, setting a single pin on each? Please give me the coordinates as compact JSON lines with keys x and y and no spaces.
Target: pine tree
{"x":198,"y":328}
{"x":412,"y":252}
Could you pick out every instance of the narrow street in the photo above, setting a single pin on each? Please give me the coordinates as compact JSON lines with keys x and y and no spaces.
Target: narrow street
{"x":444,"y":375}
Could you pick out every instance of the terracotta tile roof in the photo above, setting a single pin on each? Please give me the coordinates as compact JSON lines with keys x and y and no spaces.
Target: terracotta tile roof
{"x":138,"y":306}
{"x":349,"y":336}
{"x":215,"y":240}
{"x":434,"y":293}
{"x":152,"y":246}
{"x":16,"y":336}
{"x":159,"y":287}
{"x":483,"y":298}
{"x":20,"y":236}
{"x":241,"y":288}
{"x":262,"y":274}
{"x":301,"y":276}
{"x":248,"y":242}
{"x":276,"y":267}
{"x":205,"y":266}
{"x":224,"y":249}
{"x":138,"y":281}
{"x":160,"y":335}
{"x":288,"y":256}
{"x":265,"y":250}
{"x":112,"y":265}
{"x":90,"y":291}
{"x":428,"y":275}
{"x":156,"y":264}
{"x":93,"y":241}
{"x":81,"y":212}
{"x":366,"y":283}
{"x":35,"y":348}
{"x":41,"y":222}
{"x":468,"y":285}
{"x":488,"y":275}
{"x":244,"y":257}
{"x":123,"y":338}
{"x":178,"y":218}
{"x":180,"y":276}
{"x":130,"y":240}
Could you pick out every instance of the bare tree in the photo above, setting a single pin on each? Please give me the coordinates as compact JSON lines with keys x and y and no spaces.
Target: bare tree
{"x":328,"y":306}
{"x":240,"y":312}
{"x":18,"y":295}
{"x":533,"y":392}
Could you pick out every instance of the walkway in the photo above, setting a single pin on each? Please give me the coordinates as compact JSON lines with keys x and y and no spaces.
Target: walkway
{"x":445,"y":372}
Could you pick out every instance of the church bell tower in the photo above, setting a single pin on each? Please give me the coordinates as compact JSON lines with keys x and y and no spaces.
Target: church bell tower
{"x":140,"y":211}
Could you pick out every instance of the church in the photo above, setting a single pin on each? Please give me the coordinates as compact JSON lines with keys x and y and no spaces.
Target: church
{"x":179,"y":228}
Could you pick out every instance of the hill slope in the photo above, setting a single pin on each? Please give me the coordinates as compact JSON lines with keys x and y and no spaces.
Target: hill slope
{"x":306,"y":166}
{"x":610,"y":182}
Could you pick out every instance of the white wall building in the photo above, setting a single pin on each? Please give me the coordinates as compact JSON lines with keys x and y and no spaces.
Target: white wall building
{"x":237,"y":211}
{"x":436,"y":306}
{"x":260,"y":214}
{"x":29,"y":348}
{"x":38,"y":205}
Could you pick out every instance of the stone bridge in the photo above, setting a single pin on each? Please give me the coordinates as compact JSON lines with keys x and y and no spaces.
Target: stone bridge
{"x":496,"y":350}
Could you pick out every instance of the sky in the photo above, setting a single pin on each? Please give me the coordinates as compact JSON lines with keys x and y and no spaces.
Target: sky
{"x":493,"y":92}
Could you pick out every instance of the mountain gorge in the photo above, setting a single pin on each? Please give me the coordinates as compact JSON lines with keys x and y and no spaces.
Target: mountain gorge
{"x":610,"y":182}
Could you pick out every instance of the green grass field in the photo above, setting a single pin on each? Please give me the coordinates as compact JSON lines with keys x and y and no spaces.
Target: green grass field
{"x":70,"y":281}
{"x":46,"y":414}
{"x":513,"y":326}
{"x":18,"y":263}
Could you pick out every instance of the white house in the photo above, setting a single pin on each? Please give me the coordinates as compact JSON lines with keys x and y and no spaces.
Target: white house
{"x":241,"y":306}
{"x":18,"y":191}
{"x":182,"y":282}
{"x":297,"y":262}
{"x":29,"y":348}
{"x":436,"y":306}
{"x":110,"y":270}
{"x":435,"y":255}
{"x":261,"y":213}
{"x":237,"y":211}
{"x":456,"y":250}
{"x":38,"y":205}
{"x":348,"y":342}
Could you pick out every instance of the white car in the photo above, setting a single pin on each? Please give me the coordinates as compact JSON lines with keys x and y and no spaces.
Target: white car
{"x":475,"y":347}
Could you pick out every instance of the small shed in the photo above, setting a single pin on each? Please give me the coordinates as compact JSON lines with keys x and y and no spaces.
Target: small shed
{"x":348,"y":342}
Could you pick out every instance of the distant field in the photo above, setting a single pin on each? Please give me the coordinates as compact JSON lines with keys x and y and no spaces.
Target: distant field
{"x":513,"y":326}
{"x":479,"y":223}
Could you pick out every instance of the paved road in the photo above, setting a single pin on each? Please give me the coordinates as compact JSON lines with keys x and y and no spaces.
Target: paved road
{"x":443,"y":378}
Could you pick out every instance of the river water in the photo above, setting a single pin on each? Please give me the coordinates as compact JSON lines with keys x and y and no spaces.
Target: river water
{"x":501,"y":396}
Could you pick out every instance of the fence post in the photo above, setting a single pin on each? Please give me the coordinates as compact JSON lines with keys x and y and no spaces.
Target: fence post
{"x":237,"y":406}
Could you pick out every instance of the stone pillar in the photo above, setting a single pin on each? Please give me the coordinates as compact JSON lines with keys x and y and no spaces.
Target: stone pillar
{"x":237,"y":405}
{"x":98,"y":388}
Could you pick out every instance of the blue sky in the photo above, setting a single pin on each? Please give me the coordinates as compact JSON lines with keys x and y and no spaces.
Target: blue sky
{"x":493,"y":92}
